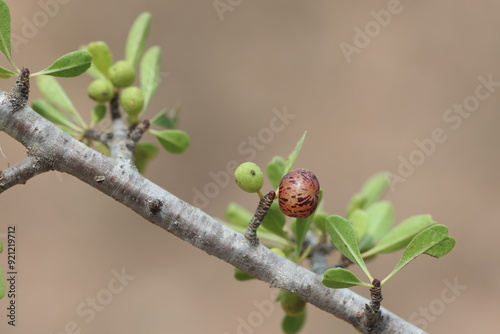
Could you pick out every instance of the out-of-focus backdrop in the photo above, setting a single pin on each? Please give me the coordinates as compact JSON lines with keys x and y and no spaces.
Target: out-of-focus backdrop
{"x":410,"y":87}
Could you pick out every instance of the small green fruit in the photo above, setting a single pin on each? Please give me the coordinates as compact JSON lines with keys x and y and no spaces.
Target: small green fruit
{"x":122,"y":74}
{"x":101,"y":90}
{"x":249,"y":177}
{"x":132,"y":100}
{"x":291,"y":303}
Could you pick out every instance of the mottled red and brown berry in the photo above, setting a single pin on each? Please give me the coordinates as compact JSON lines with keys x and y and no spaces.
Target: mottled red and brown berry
{"x":298,"y":193}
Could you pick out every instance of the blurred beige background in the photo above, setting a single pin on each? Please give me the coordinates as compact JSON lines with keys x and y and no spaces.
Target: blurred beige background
{"x":229,"y":71}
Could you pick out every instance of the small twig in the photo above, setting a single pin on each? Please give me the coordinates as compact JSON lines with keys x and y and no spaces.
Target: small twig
{"x":94,"y":134}
{"x":136,"y":134}
{"x":114,"y":107}
{"x":118,"y":144}
{"x":372,"y":316}
{"x":260,"y":213}
{"x":21,"y":172}
{"x":19,"y":95}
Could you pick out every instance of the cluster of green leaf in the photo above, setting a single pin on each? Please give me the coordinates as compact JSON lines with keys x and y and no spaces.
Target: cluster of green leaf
{"x":366,"y":232}
{"x":96,"y":59}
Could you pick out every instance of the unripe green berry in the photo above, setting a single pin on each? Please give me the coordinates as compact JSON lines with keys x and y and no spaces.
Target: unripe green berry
{"x":132,"y":100}
{"x":249,"y":177}
{"x":122,"y":74}
{"x":291,"y":303}
{"x":101,"y":90}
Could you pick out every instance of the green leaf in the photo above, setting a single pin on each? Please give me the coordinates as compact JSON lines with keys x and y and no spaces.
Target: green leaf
{"x":370,"y":192}
{"x":102,"y":58}
{"x":144,"y":153}
{"x":293,"y":325}
{"x":401,"y":235}
{"x":241,"y":276}
{"x":70,"y":65}
{"x":293,"y":156}
{"x":375,"y":187}
{"x":174,"y":141}
{"x":54,"y":93}
{"x":5,"y":31}
{"x":358,"y":201}
{"x":275,"y":220}
{"x":320,"y":220}
{"x":380,"y":220}
{"x":344,"y":237}
{"x":359,"y":219}
{"x":238,"y":215}
{"x":340,"y":278}
{"x":300,"y":228}
{"x":53,"y":114}
{"x":275,"y":171}
{"x":97,"y":115}
{"x":167,"y":118}
{"x":137,"y":38}
{"x":5,"y":73}
{"x":442,"y":248}
{"x":421,"y":243}
{"x":2,"y":284}
{"x":150,"y":73}
{"x":1,"y":247}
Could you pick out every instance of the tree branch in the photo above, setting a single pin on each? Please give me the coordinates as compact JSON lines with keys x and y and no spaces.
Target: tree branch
{"x":118,"y":178}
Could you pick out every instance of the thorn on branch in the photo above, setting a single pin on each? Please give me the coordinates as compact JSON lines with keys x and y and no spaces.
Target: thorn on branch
{"x":264,"y":205}
{"x":372,"y":317}
{"x":19,"y":95}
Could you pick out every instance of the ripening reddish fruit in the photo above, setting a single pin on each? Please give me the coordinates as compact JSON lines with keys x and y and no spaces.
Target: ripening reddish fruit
{"x":298,"y":193}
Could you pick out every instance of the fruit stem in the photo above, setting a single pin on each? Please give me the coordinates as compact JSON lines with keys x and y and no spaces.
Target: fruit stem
{"x":260,"y":194}
{"x":261,"y":211}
